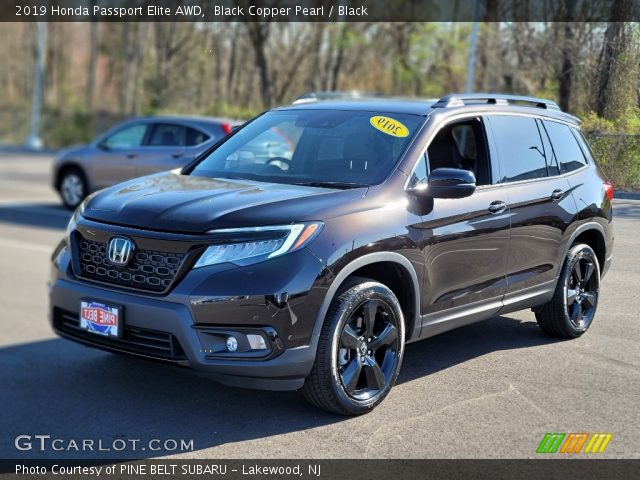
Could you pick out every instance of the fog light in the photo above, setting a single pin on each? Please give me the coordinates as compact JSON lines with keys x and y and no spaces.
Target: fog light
{"x":256,"y":342}
{"x":232,"y":344}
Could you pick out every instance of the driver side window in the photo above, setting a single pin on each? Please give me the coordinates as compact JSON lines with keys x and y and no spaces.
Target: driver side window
{"x":128,"y":137}
{"x":461,"y":145}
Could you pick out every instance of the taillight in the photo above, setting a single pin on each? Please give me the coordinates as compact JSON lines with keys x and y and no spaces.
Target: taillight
{"x":226,"y":128}
{"x":608,"y":189}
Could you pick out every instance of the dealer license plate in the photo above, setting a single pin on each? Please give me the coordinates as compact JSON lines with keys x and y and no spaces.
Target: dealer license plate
{"x":99,"y":318}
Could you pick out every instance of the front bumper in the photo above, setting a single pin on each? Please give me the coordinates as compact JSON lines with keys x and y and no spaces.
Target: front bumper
{"x":173,"y":328}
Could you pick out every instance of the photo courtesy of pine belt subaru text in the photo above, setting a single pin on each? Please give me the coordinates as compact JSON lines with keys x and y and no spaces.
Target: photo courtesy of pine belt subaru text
{"x":372,"y":223}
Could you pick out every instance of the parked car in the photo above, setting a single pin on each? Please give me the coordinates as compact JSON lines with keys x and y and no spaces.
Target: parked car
{"x":386,"y":222}
{"x":132,"y":149}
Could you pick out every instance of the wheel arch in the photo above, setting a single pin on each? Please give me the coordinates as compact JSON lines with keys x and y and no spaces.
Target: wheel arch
{"x":592,"y":234}
{"x":374,"y":266}
{"x":65,"y":167}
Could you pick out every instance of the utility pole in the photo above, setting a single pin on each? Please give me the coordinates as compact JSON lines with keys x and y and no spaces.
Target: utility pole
{"x":473,"y":43}
{"x":34,"y":141}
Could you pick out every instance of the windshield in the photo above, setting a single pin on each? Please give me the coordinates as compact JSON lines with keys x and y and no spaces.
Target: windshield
{"x":314,"y":147}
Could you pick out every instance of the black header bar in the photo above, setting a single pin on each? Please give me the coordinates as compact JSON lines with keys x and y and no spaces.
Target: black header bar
{"x":320,"y":10}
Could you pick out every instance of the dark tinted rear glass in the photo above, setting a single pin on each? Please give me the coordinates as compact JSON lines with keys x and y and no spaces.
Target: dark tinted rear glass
{"x":196,"y":137}
{"x":552,"y":162}
{"x":520,"y":147}
{"x":565,"y":146}
{"x":167,"y":135}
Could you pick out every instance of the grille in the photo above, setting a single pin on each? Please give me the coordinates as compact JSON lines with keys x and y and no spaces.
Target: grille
{"x":148,"y":270}
{"x":151,"y":343}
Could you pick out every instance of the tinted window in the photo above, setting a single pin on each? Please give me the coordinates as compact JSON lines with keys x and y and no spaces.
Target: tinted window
{"x":520,"y":147}
{"x":345,"y":148}
{"x":195,"y":137}
{"x":461,"y":145}
{"x":565,"y":146}
{"x":552,"y":161}
{"x":167,"y":135}
{"x":127,"y":137}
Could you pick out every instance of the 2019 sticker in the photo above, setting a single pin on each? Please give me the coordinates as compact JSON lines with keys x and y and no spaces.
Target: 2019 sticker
{"x":389,"y":126}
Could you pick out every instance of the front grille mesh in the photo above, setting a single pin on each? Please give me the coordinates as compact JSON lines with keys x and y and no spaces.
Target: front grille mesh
{"x":148,"y":270}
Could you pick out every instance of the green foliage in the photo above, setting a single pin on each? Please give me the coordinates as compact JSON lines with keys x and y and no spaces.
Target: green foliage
{"x":237,"y":112}
{"x":616,"y":145}
{"x":62,"y":129}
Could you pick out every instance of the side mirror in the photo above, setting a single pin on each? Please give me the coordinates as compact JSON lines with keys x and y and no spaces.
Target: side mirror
{"x":102,"y":145}
{"x":448,"y":183}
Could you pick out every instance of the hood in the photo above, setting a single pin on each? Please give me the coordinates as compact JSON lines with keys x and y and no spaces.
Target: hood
{"x":73,"y":150}
{"x":182,"y":203}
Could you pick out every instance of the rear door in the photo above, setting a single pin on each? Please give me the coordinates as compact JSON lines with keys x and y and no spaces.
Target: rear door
{"x":541,"y":207}
{"x":164,"y":149}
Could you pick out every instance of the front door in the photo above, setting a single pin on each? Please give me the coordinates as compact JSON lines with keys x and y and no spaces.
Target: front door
{"x":117,"y":154}
{"x":465,"y":240}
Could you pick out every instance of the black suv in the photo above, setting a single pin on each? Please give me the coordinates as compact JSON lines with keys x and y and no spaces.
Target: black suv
{"x":386,"y":221}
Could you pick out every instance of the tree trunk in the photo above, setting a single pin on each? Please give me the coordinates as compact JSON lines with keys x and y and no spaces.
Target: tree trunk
{"x":258,"y":34}
{"x":614,"y":48}
{"x":91,"y":74}
{"x":566,"y":76}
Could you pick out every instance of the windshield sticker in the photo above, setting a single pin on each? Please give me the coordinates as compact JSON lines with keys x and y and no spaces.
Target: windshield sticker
{"x":389,"y":126}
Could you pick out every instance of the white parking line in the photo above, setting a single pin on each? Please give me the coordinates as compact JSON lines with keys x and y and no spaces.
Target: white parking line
{"x":25,"y":245}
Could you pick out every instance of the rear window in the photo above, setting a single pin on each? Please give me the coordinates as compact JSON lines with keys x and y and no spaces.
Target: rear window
{"x":196,"y":137}
{"x":167,"y":135}
{"x":565,"y":146}
{"x":520,"y":147}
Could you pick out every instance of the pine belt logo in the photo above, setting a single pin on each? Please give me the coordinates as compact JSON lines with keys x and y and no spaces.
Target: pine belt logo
{"x":572,"y":443}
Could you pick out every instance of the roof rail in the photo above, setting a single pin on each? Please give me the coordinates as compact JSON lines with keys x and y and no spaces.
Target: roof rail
{"x":334,"y":95}
{"x":461,"y":99}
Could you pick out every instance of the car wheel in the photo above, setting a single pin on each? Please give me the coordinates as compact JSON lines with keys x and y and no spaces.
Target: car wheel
{"x":359,"y":351}
{"x":72,"y":187}
{"x":573,"y":306}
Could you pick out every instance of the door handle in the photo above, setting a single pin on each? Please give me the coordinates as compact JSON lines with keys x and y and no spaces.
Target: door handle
{"x":177,"y":154}
{"x":497,"y":207}
{"x":557,"y":194}
{"x":132,"y":155}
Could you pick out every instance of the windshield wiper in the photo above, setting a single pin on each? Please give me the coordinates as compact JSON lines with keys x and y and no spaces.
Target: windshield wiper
{"x":327,"y":184}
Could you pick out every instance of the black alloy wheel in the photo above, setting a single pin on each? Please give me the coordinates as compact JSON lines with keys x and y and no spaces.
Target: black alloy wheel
{"x":572,"y":308}
{"x":368,"y":349}
{"x":359,"y":351}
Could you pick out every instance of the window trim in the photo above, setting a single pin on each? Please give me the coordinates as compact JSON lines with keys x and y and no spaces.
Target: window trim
{"x":542,"y":126}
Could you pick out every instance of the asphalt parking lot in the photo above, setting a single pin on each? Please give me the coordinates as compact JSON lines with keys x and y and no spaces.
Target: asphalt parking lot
{"x":492,"y":389}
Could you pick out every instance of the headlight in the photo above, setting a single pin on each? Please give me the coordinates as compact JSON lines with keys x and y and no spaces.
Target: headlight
{"x":280,"y":240}
{"x":71,"y":226}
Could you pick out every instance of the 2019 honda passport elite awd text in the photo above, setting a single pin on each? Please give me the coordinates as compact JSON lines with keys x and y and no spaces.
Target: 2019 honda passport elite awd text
{"x":388,"y":221}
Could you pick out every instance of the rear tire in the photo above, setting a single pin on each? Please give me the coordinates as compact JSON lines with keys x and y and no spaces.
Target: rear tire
{"x":571,"y":310}
{"x":72,"y":187}
{"x":359,"y":351}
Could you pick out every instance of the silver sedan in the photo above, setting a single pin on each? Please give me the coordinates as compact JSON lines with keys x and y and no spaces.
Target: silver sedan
{"x":131,"y":149}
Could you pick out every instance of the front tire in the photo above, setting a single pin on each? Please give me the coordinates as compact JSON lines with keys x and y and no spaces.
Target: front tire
{"x":72,"y":187}
{"x":359,"y":351}
{"x":571,"y":310}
